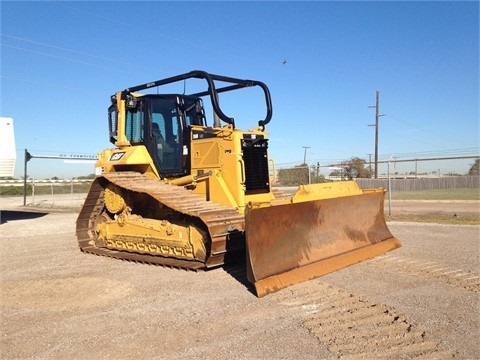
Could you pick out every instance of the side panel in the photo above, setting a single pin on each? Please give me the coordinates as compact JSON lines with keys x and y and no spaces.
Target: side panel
{"x":238,"y":161}
{"x":131,"y":158}
{"x":218,"y":150}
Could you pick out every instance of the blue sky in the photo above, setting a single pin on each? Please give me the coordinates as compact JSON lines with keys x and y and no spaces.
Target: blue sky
{"x":61,"y":61}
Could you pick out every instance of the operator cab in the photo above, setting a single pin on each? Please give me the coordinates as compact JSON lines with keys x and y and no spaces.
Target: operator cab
{"x":162,"y":124}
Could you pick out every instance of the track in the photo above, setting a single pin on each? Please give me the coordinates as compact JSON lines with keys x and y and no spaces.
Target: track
{"x":225,"y":226}
{"x":352,"y":327}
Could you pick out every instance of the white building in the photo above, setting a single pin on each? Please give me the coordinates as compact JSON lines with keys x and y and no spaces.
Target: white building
{"x":8,"y":152}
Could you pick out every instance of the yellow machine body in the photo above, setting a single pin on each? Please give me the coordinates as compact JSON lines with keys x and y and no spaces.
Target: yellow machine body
{"x":206,"y":195}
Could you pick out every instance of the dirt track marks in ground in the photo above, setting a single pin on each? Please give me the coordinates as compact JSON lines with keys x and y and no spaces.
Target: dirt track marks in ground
{"x":429,"y":270}
{"x":352,"y":327}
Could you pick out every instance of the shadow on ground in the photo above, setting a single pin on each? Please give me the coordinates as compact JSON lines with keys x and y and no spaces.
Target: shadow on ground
{"x":237,"y":268}
{"x":12,"y":215}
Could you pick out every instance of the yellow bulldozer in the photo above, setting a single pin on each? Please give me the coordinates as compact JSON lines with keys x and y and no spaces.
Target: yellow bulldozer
{"x":180,"y":192}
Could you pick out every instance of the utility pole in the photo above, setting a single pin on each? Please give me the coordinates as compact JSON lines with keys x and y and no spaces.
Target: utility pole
{"x":305,"y":154}
{"x":370,"y":164}
{"x":377,"y":115}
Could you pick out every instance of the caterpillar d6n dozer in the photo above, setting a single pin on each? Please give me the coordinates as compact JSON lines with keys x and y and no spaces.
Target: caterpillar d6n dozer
{"x":180,"y":193}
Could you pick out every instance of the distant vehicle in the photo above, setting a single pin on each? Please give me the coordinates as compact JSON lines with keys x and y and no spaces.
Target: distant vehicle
{"x":8,"y":152}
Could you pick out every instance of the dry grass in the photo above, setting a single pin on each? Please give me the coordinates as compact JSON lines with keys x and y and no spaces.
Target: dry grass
{"x":462,"y":219}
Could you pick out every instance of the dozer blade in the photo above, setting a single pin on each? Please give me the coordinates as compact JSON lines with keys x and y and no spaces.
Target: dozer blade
{"x":298,"y":241}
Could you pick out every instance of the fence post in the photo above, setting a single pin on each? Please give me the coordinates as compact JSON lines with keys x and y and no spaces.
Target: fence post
{"x":33,"y":192}
{"x":25,"y":178}
{"x":389,"y":190}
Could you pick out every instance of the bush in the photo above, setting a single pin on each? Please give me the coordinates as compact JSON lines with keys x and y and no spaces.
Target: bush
{"x":11,"y":190}
{"x":46,"y":189}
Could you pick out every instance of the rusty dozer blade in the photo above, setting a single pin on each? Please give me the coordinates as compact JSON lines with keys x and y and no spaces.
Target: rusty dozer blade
{"x":311,"y":236}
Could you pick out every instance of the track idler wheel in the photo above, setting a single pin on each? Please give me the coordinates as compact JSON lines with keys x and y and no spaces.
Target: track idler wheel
{"x":114,"y":201}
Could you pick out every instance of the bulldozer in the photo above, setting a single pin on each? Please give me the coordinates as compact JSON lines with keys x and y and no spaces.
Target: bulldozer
{"x":180,"y":191}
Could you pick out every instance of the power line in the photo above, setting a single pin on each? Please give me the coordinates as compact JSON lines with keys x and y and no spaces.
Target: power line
{"x":435,"y":153}
{"x":178,"y":40}
{"x":122,"y":24}
{"x":73,"y":51}
{"x":407,"y":156}
{"x":430,"y":131}
{"x":64,"y":58}
{"x":61,"y":86}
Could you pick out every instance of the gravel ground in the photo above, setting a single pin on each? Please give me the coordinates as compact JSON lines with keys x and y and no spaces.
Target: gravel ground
{"x":56,"y":302}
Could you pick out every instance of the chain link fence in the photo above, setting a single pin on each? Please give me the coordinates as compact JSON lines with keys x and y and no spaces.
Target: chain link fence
{"x":404,"y":175}
{"x":46,"y":193}
{"x":420,"y":184}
